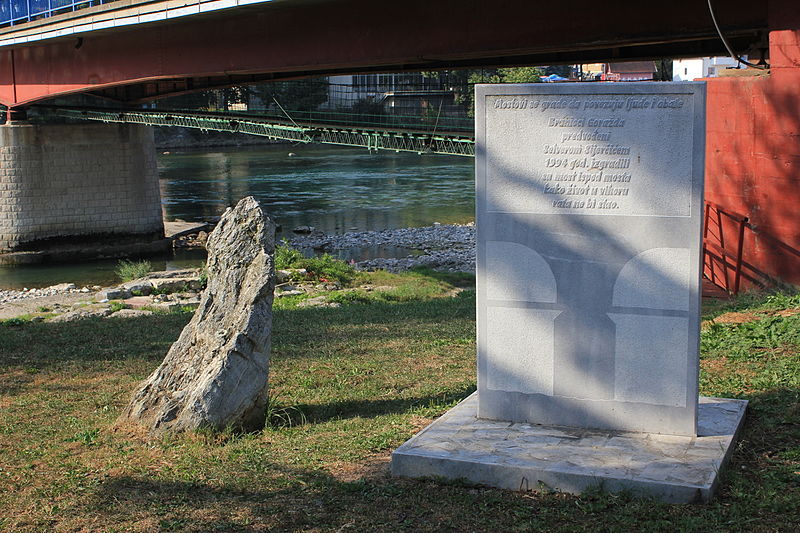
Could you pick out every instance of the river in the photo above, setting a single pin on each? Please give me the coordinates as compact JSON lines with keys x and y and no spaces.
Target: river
{"x":334,"y":189}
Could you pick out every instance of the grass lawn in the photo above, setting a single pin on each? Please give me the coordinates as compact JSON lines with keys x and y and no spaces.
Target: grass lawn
{"x":350,"y":384}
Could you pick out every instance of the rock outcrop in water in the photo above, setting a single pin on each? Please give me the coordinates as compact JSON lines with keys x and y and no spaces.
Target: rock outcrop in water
{"x":215,"y":375}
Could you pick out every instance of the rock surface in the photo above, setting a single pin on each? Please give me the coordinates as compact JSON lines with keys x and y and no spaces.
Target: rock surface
{"x":80,"y":314}
{"x":215,"y":375}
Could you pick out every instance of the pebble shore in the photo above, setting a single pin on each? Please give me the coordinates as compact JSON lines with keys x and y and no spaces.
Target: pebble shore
{"x":11,"y":295}
{"x":448,"y":247}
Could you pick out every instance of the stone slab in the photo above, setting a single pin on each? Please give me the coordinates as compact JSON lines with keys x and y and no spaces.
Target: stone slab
{"x":175,"y":229}
{"x":518,"y":456}
{"x":589,"y":214}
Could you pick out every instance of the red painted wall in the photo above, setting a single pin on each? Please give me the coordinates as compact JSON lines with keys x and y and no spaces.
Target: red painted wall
{"x":753,"y":157}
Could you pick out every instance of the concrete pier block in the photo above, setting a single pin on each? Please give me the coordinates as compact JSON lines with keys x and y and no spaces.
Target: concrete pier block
{"x":76,"y":184}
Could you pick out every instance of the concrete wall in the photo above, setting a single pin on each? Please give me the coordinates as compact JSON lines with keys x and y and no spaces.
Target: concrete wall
{"x":753,"y":156}
{"x":58,"y":182}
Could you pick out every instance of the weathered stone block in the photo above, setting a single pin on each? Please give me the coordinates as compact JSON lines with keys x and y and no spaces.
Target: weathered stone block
{"x":215,"y":375}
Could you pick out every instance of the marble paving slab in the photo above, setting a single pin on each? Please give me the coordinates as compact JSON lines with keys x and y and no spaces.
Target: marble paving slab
{"x":525,"y":457}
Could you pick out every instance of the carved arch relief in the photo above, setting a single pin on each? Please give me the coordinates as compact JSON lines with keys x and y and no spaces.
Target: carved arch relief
{"x":651,"y":349}
{"x":519,"y":342}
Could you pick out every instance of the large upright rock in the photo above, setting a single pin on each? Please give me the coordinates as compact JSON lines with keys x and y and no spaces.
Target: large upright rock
{"x":215,"y":375}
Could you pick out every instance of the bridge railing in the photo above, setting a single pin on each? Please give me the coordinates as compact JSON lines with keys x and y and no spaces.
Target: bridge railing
{"x":13,"y":12}
{"x":428,"y":123}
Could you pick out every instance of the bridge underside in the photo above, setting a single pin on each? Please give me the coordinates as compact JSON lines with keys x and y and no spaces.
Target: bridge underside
{"x":284,"y":40}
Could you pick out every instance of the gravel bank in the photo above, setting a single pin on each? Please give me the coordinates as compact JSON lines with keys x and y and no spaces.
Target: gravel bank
{"x":448,"y":247}
{"x":444,"y":246}
{"x":10,"y":295}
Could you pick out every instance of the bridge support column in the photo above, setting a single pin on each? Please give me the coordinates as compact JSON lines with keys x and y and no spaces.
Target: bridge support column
{"x":77,"y":191}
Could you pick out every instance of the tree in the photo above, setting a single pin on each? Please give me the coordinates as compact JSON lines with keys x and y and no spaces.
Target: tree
{"x":466,"y":96}
{"x":294,"y":95}
{"x":520,"y":75}
{"x":663,"y":70}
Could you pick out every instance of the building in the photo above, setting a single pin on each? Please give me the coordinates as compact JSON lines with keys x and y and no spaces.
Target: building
{"x":629,"y":71}
{"x":702,"y":67}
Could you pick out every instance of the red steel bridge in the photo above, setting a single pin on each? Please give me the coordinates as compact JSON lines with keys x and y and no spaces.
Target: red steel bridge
{"x":137,"y":50}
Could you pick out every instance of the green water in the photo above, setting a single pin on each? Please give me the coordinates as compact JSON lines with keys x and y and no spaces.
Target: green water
{"x":334,"y":189}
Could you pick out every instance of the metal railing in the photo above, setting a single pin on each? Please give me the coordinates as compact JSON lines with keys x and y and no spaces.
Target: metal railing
{"x":13,"y":12}
{"x":397,"y":140}
{"x":719,"y":263}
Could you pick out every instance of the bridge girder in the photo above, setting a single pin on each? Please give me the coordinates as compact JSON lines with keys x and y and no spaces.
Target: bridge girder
{"x":287,"y":40}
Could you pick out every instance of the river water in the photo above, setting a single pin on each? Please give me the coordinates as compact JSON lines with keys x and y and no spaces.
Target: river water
{"x":334,"y":189}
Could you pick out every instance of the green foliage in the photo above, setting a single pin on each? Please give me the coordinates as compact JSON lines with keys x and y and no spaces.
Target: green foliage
{"x":663,"y":69}
{"x":129,"y":270}
{"x":753,"y":301}
{"x":419,"y":285}
{"x":294,"y":95}
{"x":183,"y":287}
{"x":203,"y":279}
{"x":87,"y":437}
{"x":323,"y":268}
{"x":751,"y":339}
{"x":287,"y":257}
{"x":282,"y":416}
{"x":16,"y":321}
{"x":117,"y":306}
{"x":501,"y":75}
{"x":520,"y":75}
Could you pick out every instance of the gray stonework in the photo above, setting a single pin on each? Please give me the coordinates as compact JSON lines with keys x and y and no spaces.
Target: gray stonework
{"x":589,"y":204}
{"x":519,"y":456}
{"x":589,"y":213}
{"x":60,"y":181}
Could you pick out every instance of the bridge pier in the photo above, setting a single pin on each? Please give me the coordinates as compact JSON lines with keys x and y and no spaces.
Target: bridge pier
{"x":70,"y":191}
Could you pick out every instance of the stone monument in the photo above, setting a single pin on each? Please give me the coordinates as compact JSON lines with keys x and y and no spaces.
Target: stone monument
{"x":589,"y":215}
{"x":215,"y":374}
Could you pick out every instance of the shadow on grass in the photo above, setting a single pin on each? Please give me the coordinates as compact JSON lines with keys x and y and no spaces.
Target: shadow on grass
{"x":262,"y":493}
{"x":300,"y":500}
{"x":319,"y":413}
{"x":456,"y":279}
{"x":43,"y":345}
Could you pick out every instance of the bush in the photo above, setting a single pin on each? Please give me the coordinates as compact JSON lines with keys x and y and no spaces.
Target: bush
{"x":322,"y":268}
{"x":130,"y":270}
{"x":287,"y":257}
{"x":117,"y":306}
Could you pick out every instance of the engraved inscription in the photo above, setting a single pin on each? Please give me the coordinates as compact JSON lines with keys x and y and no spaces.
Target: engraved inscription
{"x":582,"y":154}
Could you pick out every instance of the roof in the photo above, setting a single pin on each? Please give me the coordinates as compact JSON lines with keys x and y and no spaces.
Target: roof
{"x":630,"y":67}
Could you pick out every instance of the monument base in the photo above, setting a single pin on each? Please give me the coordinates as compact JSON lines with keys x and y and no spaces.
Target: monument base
{"x":525,"y":457}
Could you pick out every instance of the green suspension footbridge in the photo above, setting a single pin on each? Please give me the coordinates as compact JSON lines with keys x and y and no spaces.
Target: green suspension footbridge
{"x":374,"y":132}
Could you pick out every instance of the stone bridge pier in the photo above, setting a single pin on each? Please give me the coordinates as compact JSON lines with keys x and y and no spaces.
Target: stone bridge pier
{"x":73,"y":191}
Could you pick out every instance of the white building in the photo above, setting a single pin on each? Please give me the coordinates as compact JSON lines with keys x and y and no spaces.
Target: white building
{"x":702,"y":67}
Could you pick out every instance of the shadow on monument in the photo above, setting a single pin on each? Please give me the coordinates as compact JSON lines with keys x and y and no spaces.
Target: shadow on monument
{"x":579,"y":248}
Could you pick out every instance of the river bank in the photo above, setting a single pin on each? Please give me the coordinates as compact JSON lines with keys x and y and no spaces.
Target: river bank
{"x":449,"y":247}
{"x":445,"y":247}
